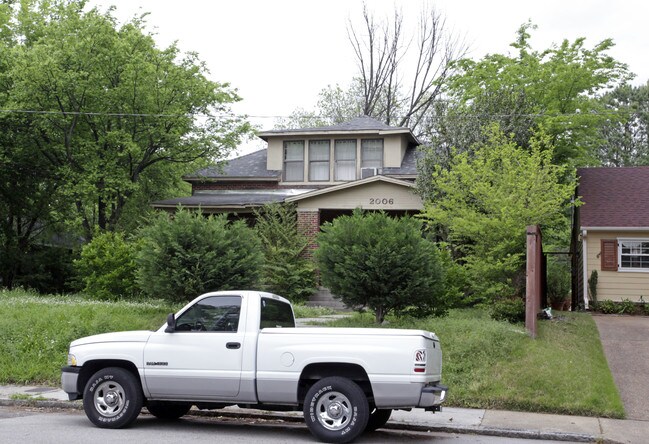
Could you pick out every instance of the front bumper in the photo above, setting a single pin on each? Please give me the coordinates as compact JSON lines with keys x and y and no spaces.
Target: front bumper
{"x":69,"y":378}
{"x":432,"y":397}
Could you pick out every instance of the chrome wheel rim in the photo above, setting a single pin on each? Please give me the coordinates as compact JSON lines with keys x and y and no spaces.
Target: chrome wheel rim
{"x":334,"y":411}
{"x":109,"y":399}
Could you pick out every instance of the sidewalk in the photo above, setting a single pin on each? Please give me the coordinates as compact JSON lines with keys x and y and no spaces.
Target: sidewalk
{"x":450,"y":420}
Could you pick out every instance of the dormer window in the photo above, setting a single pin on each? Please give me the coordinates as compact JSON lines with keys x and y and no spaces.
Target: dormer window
{"x":372,"y":153}
{"x":294,"y":161}
{"x":318,"y":160}
{"x":345,"y":160}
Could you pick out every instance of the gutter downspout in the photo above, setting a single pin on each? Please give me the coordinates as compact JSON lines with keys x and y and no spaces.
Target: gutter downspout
{"x":584,"y":264}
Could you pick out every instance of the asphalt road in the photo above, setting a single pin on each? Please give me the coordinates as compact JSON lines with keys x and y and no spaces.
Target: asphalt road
{"x":36,"y":426}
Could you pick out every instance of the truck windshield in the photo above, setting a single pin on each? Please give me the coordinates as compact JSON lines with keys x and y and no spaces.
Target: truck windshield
{"x":275,"y":313}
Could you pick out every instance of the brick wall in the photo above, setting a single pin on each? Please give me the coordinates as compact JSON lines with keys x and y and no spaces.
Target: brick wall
{"x":308,"y":222}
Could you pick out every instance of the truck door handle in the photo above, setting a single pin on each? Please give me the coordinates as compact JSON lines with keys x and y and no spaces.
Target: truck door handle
{"x":233,"y":345}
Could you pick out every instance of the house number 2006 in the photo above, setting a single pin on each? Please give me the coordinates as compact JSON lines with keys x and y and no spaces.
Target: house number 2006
{"x":381,"y":201}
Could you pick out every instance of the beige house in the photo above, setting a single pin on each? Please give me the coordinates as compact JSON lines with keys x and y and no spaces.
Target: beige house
{"x":325,"y":171}
{"x":611,"y":233}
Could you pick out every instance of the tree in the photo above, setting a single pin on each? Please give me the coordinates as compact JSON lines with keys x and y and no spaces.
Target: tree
{"x":485,"y":200}
{"x":286,"y":271}
{"x":553,"y":90}
{"x":114,"y":116}
{"x":399,"y":76}
{"x":189,"y":254}
{"x":625,"y":133}
{"x":373,"y":260}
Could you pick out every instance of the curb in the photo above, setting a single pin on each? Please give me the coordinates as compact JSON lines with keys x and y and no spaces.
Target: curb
{"x":242,"y":413}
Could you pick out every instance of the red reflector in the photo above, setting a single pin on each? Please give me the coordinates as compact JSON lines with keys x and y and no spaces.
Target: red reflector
{"x":420,"y":370}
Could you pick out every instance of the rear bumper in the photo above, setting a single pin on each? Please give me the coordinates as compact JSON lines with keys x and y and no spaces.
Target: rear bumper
{"x":69,"y":378}
{"x":432,"y":397}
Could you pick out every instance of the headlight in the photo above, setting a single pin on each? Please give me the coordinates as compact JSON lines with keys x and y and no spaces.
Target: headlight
{"x":72,"y":360}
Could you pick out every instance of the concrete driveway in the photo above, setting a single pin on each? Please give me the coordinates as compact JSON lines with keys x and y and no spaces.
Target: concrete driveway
{"x":626,"y":345}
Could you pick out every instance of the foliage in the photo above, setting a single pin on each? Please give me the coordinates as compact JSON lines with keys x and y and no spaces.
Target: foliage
{"x":592,"y":286}
{"x":496,"y":365}
{"x":286,"y":271}
{"x":306,"y":311}
{"x":626,"y":133}
{"x":486,"y":200}
{"x":559,"y":280}
{"x":107,"y":267}
{"x":47,"y":269}
{"x":111,"y":121}
{"x":376,"y":261}
{"x":626,"y":306}
{"x":551,"y":90}
{"x":189,"y":254}
{"x":510,"y":310}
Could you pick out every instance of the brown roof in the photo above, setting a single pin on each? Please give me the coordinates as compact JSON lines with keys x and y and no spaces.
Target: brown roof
{"x":614,"y":197}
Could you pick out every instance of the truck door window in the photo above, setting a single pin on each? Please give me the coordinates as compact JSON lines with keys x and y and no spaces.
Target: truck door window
{"x":276,"y":313}
{"x":216,"y":313}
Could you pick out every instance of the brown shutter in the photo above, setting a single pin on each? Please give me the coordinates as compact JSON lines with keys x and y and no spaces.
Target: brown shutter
{"x":609,"y":255}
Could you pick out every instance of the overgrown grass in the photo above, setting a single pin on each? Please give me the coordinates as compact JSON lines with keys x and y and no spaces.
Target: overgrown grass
{"x":487,"y":364}
{"x":306,"y":311}
{"x":496,"y":365}
{"x":36,"y":331}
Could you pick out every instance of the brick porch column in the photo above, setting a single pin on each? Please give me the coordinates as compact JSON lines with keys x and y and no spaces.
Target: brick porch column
{"x":308,"y":223}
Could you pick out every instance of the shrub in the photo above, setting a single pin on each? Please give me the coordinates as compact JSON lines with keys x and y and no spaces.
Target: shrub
{"x":592,"y":286}
{"x":606,"y":307}
{"x":373,"y":260}
{"x":285,"y":272}
{"x":510,"y":310}
{"x":107,"y":267}
{"x":189,"y":254}
{"x":558,"y":280}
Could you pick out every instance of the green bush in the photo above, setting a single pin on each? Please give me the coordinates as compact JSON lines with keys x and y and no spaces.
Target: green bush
{"x":286,"y":271}
{"x":606,"y":307}
{"x":559,"y":280}
{"x":510,"y":310}
{"x":107,"y":267}
{"x":189,"y":254}
{"x":376,"y":261}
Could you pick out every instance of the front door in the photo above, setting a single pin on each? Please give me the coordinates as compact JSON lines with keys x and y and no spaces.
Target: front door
{"x":202,"y":358}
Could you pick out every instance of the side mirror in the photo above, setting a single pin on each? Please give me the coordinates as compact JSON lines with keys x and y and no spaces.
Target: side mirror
{"x":171,"y":323}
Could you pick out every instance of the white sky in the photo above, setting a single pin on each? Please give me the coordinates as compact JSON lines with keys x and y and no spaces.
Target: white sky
{"x":280,"y":53}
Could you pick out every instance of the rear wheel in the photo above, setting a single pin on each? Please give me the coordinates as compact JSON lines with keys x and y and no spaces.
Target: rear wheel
{"x":377,"y":419}
{"x":112,"y":398}
{"x":168,"y":411}
{"x":336,"y":410}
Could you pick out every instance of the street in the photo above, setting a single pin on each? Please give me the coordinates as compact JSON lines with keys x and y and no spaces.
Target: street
{"x":36,"y":426}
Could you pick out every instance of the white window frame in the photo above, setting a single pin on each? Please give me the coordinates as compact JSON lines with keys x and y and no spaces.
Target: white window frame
{"x":620,"y":268}
{"x":313,"y":163}
{"x":293,"y":161}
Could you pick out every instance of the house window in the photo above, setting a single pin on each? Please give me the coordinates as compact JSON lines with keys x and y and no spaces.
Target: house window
{"x":319,"y":160}
{"x":294,"y":161}
{"x":633,"y":254}
{"x":372,"y":153}
{"x":345,"y":160}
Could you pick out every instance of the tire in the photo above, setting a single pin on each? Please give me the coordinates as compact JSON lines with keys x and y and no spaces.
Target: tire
{"x":168,"y":411}
{"x":336,"y":410}
{"x":377,"y":419}
{"x":112,"y":398}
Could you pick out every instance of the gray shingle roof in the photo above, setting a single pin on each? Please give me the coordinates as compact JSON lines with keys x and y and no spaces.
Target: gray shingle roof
{"x":230,"y":198}
{"x":408,"y":164}
{"x":248,"y":166}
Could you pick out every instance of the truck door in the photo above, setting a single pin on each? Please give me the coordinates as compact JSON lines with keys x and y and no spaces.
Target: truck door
{"x":202,"y":358}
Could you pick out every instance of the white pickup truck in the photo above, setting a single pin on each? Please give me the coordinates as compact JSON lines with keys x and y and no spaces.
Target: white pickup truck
{"x":241,"y":348}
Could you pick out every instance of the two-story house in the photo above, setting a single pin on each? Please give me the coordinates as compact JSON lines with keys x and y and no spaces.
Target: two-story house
{"x":325,"y":171}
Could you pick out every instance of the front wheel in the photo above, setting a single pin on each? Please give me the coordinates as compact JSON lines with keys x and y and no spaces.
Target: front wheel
{"x":112,"y":398}
{"x":336,"y":410}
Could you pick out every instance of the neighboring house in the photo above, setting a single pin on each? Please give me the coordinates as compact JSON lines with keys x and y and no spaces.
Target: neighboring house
{"x":611,"y":233}
{"x":325,"y":171}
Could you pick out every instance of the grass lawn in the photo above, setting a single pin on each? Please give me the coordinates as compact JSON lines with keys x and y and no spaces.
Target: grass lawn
{"x":487,"y":364}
